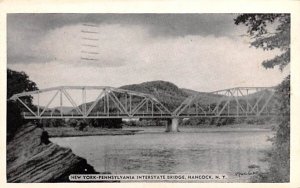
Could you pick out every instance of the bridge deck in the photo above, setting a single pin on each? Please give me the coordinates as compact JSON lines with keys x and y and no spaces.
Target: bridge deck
{"x":146,"y":116}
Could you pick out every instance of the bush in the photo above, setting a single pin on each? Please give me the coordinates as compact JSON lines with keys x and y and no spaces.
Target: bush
{"x":17,"y":82}
{"x":106,"y":123}
{"x":279,"y":156}
{"x":258,"y":120}
{"x":51,"y":122}
{"x":146,"y":123}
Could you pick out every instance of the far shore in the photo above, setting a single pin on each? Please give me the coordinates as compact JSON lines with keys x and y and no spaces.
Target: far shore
{"x":72,"y":132}
{"x":127,"y":130}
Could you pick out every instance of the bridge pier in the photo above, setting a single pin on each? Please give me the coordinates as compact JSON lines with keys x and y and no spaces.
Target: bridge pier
{"x":172,"y":126}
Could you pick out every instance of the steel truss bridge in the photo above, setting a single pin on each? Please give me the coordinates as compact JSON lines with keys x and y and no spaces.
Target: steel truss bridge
{"x":118,"y":103}
{"x":233,"y":102}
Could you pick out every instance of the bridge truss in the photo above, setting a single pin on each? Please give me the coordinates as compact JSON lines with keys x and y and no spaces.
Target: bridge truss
{"x":109,"y":103}
{"x":233,"y":102}
{"x":118,"y":103}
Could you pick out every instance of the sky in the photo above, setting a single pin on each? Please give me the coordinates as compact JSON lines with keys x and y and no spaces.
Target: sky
{"x":203,"y":52}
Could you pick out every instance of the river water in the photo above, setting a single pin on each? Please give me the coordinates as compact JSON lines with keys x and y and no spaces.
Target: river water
{"x":191,"y":151}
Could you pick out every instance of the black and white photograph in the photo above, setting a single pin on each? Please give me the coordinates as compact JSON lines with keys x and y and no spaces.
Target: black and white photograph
{"x":148,"y":97}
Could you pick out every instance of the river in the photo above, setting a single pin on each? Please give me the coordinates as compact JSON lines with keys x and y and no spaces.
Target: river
{"x":191,"y":151}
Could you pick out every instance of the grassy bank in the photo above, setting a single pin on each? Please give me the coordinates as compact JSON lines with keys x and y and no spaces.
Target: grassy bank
{"x":89,"y":131}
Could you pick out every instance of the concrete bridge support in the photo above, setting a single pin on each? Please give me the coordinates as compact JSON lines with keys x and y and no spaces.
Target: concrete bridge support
{"x":172,"y":125}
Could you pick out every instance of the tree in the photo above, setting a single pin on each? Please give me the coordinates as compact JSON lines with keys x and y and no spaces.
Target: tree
{"x":259,"y":28}
{"x":17,"y":82}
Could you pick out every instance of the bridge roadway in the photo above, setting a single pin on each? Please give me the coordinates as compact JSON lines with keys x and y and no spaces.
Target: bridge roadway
{"x":118,"y":103}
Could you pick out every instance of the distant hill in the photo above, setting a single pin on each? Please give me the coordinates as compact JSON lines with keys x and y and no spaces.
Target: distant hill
{"x":203,"y":97}
{"x":190,"y":91}
{"x":65,"y":109}
{"x":166,"y":92}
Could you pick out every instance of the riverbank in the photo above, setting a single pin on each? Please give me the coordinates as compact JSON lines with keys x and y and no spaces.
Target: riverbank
{"x":207,"y":128}
{"x":90,"y":131}
{"x":131,"y":130}
{"x":31,"y":157}
{"x":241,"y":125}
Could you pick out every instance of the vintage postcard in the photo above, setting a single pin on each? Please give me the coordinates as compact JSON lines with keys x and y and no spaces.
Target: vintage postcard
{"x":170,"y":96}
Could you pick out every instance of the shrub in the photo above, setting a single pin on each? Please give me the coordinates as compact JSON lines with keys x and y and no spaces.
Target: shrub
{"x":279,"y":156}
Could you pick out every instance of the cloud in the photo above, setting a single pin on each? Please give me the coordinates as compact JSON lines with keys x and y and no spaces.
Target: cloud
{"x":113,"y":46}
{"x":129,"y":54}
{"x":26,"y":30}
{"x":158,"y":24}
